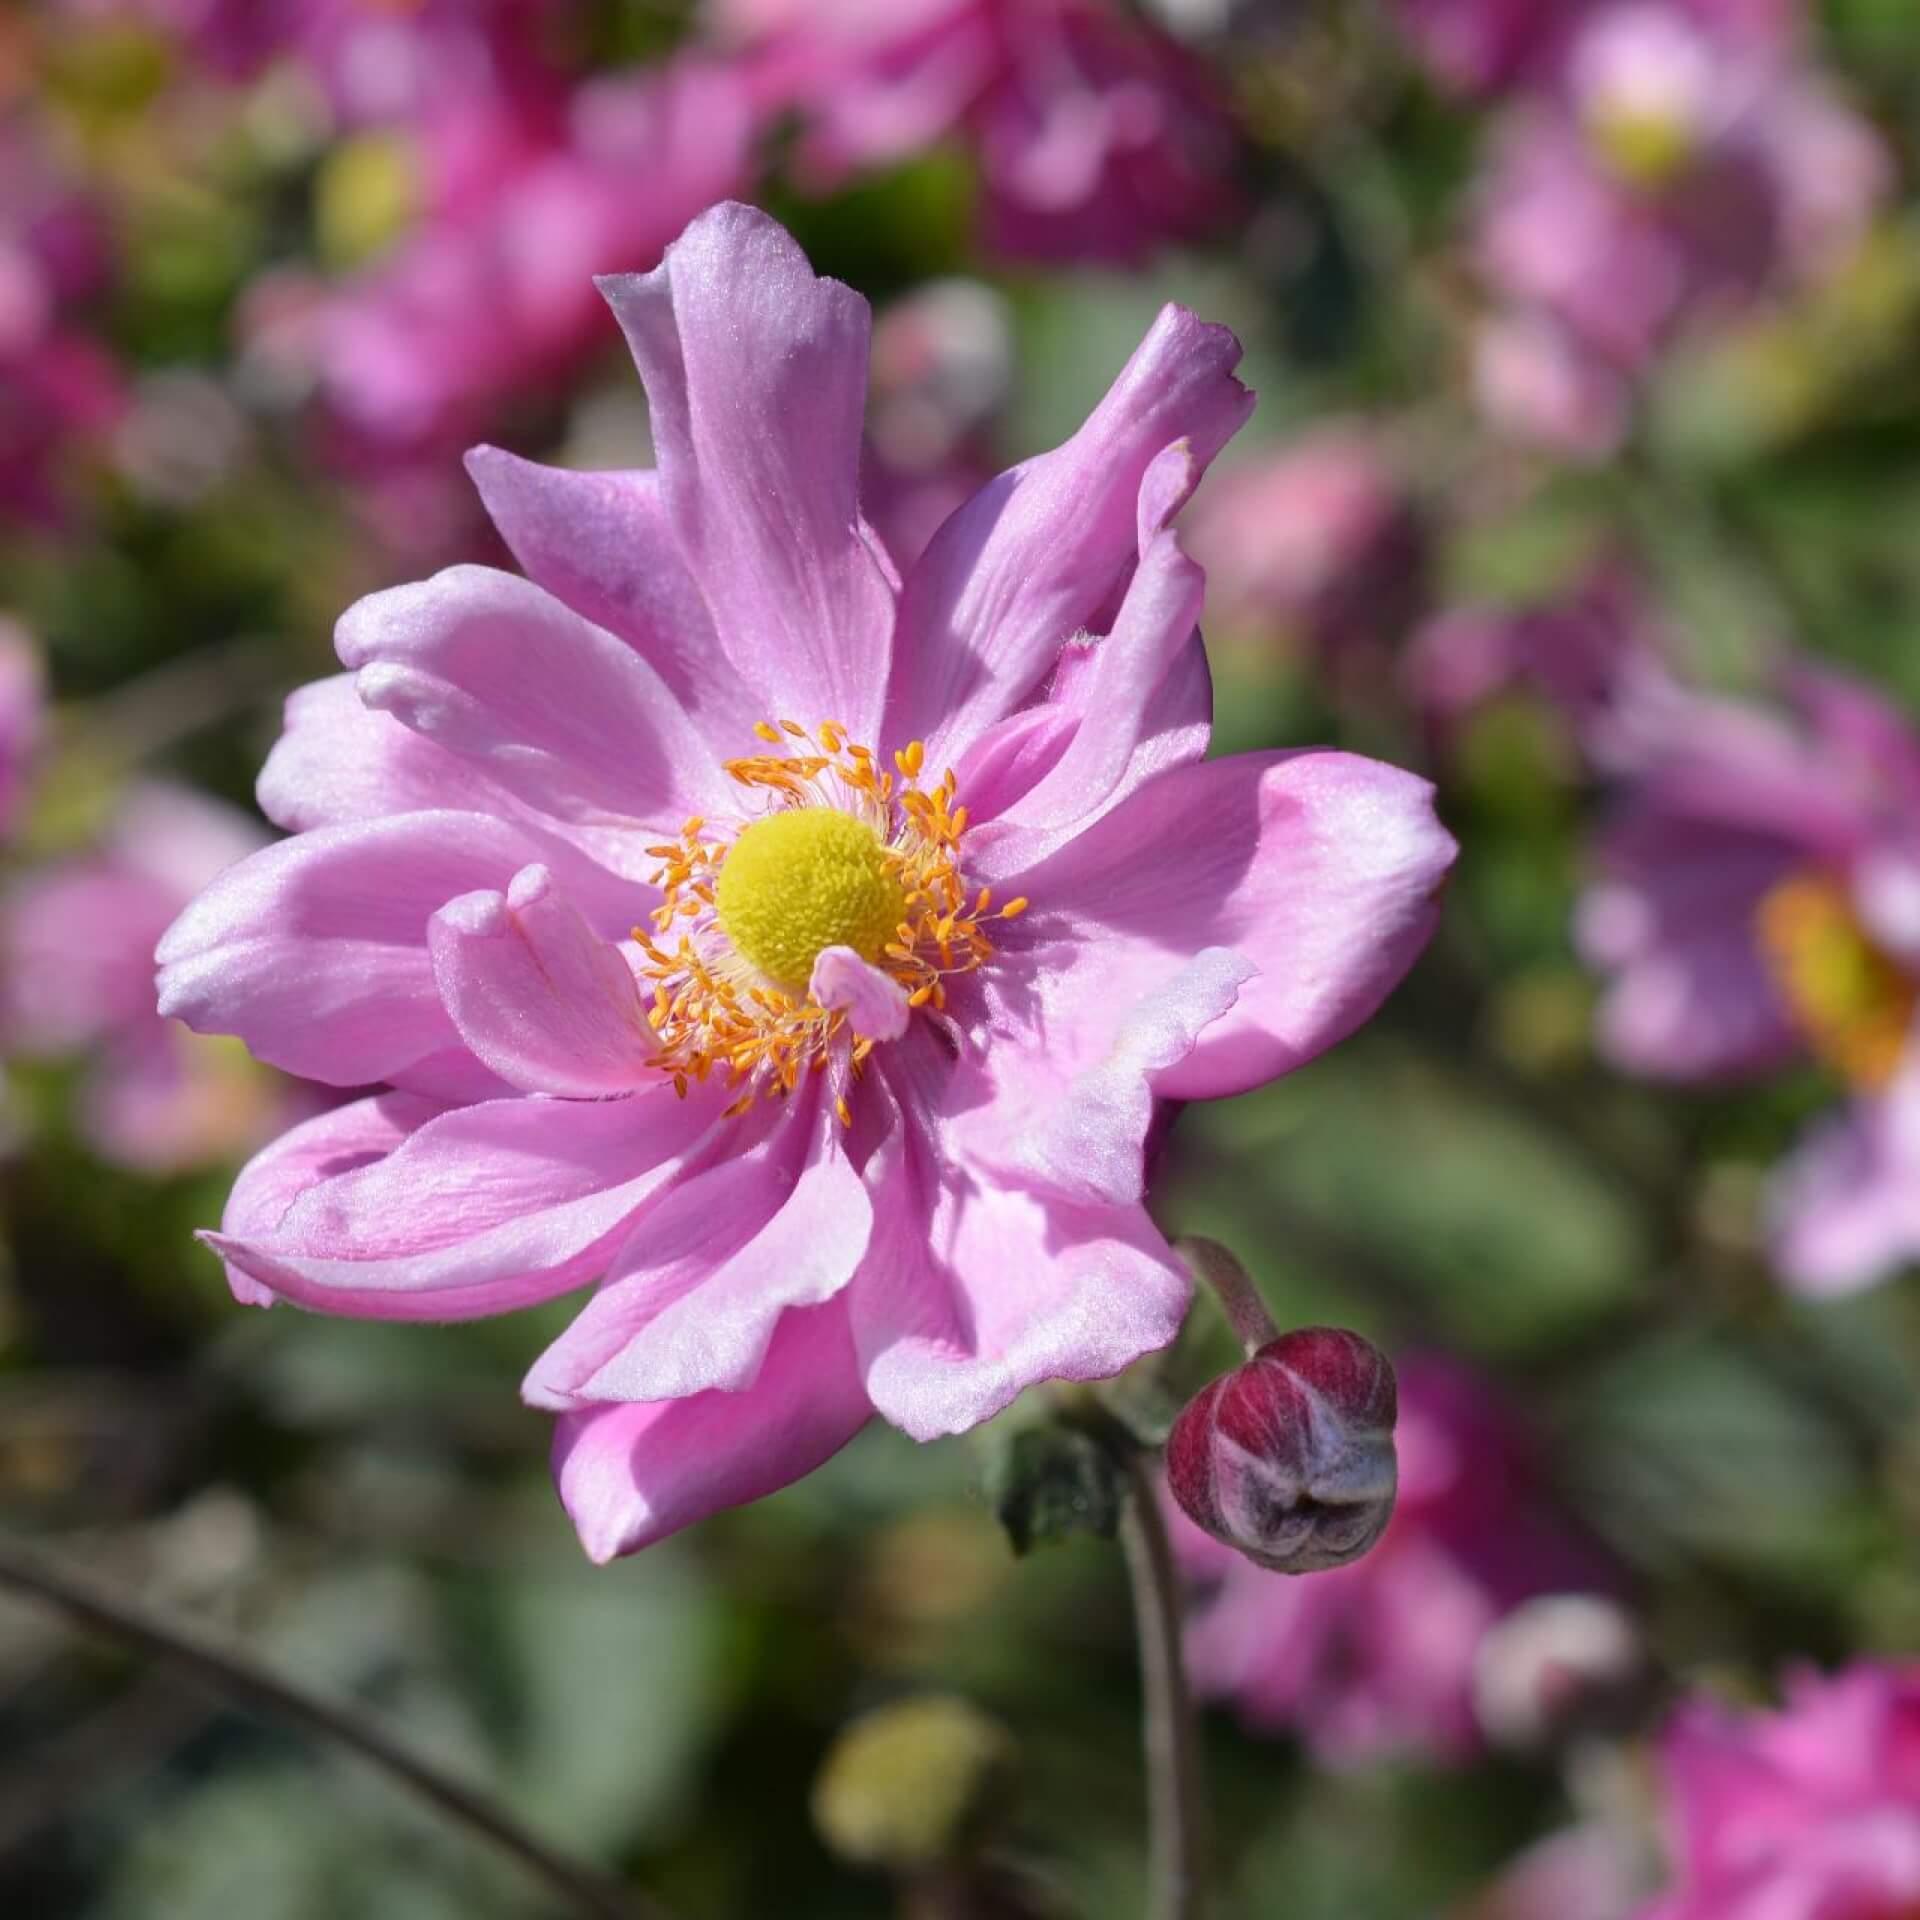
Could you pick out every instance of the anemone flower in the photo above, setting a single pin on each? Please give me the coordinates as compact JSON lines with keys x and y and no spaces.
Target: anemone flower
{"x":799,"y":954}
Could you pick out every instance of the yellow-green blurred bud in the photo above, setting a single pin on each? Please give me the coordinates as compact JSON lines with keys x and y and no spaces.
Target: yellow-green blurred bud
{"x":910,"y":1786}
{"x":367,"y":193}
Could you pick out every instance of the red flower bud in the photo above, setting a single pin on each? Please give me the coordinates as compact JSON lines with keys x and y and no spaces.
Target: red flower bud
{"x":1289,"y":1457}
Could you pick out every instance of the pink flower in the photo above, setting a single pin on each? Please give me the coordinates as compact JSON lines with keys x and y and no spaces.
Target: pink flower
{"x":1492,"y":46}
{"x":1757,"y":903}
{"x":490,"y":296}
{"x":1591,"y":653}
{"x":1097,"y":137}
{"x":23,"y":696}
{"x":1379,"y":1656}
{"x":59,"y":391}
{"x":798,"y":954}
{"x":77,"y":940}
{"x":1319,"y":542}
{"x":1587,"y":1872}
{"x":1808,"y":1813}
{"x":1675,"y":176}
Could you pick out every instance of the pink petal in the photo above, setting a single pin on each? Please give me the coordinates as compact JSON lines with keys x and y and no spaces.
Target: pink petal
{"x":537,"y":994}
{"x":555,"y":709}
{"x":603,"y":543}
{"x":479,"y":1211}
{"x":338,"y":760}
{"x":631,"y":1474}
{"x":314,"y":951}
{"x":1038,"y":553}
{"x":329,"y":1144}
{"x":972,"y":1293}
{"x":875,"y":1003}
{"x":693,"y":1231}
{"x":715,"y":1334}
{"x":1084,"y":1138}
{"x":1116,"y":689}
{"x":1323,"y":869}
{"x":756,"y":373}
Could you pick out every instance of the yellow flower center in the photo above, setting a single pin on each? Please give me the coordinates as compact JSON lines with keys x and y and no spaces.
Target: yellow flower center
{"x":850,"y":856}
{"x":1853,"y":1003}
{"x":1645,"y":147}
{"x":801,"y":881}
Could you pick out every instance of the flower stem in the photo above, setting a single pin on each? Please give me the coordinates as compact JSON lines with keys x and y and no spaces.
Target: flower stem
{"x":577,"y":1887}
{"x":1233,"y":1287}
{"x":1176,"y":1802}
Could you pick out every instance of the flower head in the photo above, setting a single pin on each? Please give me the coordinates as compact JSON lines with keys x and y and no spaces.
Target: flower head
{"x":1098,"y":138}
{"x":799,"y":953}
{"x":1757,"y":902}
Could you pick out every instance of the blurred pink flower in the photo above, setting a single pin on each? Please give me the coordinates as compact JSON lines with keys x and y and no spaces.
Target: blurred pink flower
{"x":1492,"y":46}
{"x":23,"y":695}
{"x":1589,"y":1872}
{"x":904,"y":1171}
{"x":1590,"y":652}
{"x":77,"y":939}
{"x":1097,"y":137}
{"x":1757,"y":902}
{"x":1378,"y":1657}
{"x":489,"y":297}
{"x":1318,"y":544}
{"x":1808,"y":1813}
{"x":1672,"y":178}
{"x":59,"y":390}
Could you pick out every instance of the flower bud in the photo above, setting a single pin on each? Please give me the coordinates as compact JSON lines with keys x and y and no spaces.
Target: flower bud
{"x":1289,"y":1458}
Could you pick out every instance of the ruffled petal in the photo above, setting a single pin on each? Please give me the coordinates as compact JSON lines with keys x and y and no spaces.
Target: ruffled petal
{"x":338,"y":761}
{"x":756,"y":374}
{"x":314,"y":950}
{"x":1115,"y":688}
{"x":631,"y":1474}
{"x":478,"y":1211}
{"x":1040,"y":552}
{"x":874,"y":1002}
{"x":972,"y":1292}
{"x":1322,"y":869}
{"x":537,"y":994}
{"x":715,"y":1334}
{"x":553,"y":708}
{"x":604,"y":544}
{"x":319,"y":1149}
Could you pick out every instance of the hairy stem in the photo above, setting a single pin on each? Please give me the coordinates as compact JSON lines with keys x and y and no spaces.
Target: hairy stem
{"x":1233,"y":1287}
{"x":1176,"y":1800}
{"x":237,"y":1678}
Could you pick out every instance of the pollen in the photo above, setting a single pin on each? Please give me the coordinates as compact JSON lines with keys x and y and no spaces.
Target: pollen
{"x":801,"y":881}
{"x":833,"y":849}
{"x":1853,"y":1003}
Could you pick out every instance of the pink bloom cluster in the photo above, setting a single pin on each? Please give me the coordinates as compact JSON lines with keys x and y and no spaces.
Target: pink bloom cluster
{"x":1379,"y":1656}
{"x":1677,"y":170}
{"x":76,"y":977}
{"x":1808,"y":1813}
{"x":1757,"y":903}
{"x":525,"y":182}
{"x":798,"y":952}
{"x":58,"y":388}
{"x":1097,"y":138}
